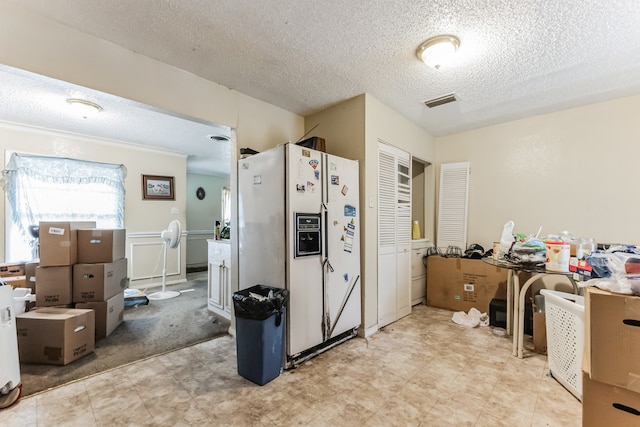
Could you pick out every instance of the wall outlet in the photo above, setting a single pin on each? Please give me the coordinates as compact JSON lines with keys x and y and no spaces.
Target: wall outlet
{"x":175,"y":210}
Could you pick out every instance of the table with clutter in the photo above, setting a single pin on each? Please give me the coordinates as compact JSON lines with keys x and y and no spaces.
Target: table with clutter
{"x":519,"y":253}
{"x":516,"y":295}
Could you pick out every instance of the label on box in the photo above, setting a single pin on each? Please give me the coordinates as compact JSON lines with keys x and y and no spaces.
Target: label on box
{"x":56,"y":230}
{"x":468,"y":287}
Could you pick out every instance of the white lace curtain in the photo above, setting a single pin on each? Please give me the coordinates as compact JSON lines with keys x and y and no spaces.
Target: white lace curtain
{"x":41,"y":188}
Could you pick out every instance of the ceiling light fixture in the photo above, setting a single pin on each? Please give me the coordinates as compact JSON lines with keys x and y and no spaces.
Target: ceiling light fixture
{"x":84,"y":108}
{"x":438,"y":51}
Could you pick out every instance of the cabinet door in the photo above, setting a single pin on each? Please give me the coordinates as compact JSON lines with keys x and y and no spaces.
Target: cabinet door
{"x":417,"y":266}
{"x":227,"y":289}
{"x":418,"y":276}
{"x":216,"y":297}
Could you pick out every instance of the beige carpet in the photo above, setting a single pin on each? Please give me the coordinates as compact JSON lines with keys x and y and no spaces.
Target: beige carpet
{"x":161,"y":326}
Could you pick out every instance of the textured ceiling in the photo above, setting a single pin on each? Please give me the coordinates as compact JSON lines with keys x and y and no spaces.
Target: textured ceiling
{"x":517,"y":58}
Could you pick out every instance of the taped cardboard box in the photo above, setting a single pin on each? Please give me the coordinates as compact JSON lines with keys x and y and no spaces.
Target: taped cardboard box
{"x":99,"y":282}
{"x":59,"y":242}
{"x":55,"y":336}
{"x":16,"y":281}
{"x":109,"y":314}
{"x":106,"y":245}
{"x":11,"y":269}
{"x":55,"y":286}
{"x":612,"y":338}
{"x":459,"y":284}
{"x":608,"y":405}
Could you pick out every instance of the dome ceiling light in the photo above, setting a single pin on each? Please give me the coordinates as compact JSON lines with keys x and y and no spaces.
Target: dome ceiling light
{"x":438,"y":51}
{"x":84,"y":108}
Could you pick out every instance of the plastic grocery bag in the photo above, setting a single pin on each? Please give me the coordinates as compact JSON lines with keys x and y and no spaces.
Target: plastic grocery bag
{"x":471,"y":319}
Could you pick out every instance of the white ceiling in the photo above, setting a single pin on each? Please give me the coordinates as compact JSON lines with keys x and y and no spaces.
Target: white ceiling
{"x":517,"y":58}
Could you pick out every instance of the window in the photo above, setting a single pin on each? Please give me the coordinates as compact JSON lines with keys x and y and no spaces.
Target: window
{"x":42,"y":188}
{"x":226,"y":207}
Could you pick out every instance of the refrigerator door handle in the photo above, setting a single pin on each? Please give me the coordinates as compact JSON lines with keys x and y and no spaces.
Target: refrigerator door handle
{"x":327,"y":264}
{"x":344,"y":303}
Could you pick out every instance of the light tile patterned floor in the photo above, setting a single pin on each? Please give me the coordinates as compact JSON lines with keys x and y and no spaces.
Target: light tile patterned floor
{"x":423,"y":370}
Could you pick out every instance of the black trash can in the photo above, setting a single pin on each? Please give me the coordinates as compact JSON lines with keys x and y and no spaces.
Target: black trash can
{"x":260,"y":318}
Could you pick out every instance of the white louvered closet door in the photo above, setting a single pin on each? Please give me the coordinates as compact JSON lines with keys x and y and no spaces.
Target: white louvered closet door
{"x":403,"y":234}
{"x":394,"y":234}
{"x":453,"y":205}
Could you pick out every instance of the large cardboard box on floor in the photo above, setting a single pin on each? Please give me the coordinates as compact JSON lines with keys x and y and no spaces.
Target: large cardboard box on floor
{"x":55,"y":286}
{"x":109,"y":314}
{"x":101,"y":245}
{"x":99,"y":282}
{"x":608,"y":405}
{"x":612,"y":338}
{"x":460,"y":284}
{"x":59,"y":242}
{"x":55,"y":336}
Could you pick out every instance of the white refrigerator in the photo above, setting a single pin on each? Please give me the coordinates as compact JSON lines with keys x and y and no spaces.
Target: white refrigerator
{"x":298,"y":225}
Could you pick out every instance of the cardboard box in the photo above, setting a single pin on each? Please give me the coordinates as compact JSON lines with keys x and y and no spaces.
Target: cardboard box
{"x":30,"y":275}
{"x":55,"y":336}
{"x":59,"y":242}
{"x":607,"y":405}
{"x":54,"y":286}
{"x":109,"y":314}
{"x":101,"y":245}
{"x":99,"y":282}
{"x":16,"y":281}
{"x":460,"y":284}
{"x":539,"y":333}
{"x":11,"y":270}
{"x":612,"y":338}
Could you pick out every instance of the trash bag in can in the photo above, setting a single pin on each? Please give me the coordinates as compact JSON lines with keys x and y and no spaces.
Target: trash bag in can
{"x":260,"y":315}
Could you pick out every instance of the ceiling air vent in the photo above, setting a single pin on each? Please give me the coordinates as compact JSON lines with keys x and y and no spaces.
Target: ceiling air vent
{"x":441,"y":100}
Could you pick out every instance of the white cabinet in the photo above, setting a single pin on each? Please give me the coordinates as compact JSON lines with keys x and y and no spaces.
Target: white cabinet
{"x":418,"y":271}
{"x":219,"y":277}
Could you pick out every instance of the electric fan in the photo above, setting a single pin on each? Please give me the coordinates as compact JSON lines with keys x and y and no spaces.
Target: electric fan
{"x":171,"y":238}
{"x":34,"y":232}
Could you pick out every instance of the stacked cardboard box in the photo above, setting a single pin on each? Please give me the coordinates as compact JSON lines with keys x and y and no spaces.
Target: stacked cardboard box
{"x":58,"y":254}
{"x":79,"y":265}
{"x":611,"y":367}
{"x":100,"y":277}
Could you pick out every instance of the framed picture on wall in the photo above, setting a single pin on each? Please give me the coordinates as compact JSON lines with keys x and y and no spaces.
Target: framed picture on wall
{"x":157,"y":187}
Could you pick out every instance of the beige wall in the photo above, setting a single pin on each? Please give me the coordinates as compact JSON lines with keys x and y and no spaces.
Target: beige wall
{"x":573,"y":170}
{"x":202,"y":214}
